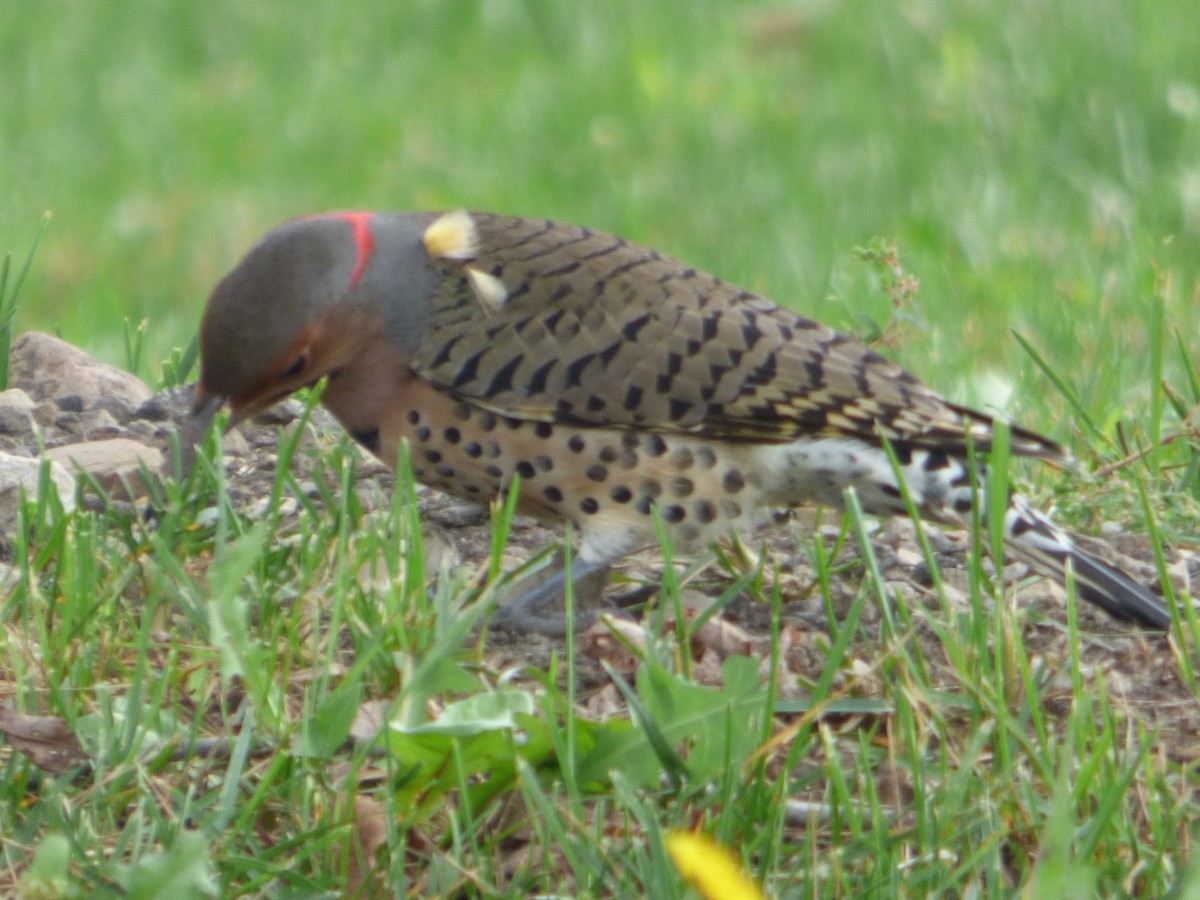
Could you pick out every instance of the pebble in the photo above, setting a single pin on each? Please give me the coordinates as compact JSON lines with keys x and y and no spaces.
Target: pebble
{"x":115,"y":463}
{"x":21,"y":474}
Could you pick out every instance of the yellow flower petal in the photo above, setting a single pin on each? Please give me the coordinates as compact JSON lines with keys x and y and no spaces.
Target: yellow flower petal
{"x":710,"y":868}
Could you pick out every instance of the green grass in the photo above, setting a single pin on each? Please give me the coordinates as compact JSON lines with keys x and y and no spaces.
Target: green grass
{"x":1036,"y":167}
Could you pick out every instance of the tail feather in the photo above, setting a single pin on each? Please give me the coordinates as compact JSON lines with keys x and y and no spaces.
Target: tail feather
{"x":1040,"y":543}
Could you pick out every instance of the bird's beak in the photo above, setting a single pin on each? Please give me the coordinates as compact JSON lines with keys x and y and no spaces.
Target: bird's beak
{"x":204,"y":407}
{"x":193,"y":431}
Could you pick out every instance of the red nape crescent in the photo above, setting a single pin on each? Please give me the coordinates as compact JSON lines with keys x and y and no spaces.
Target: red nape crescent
{"x":364,"y":240}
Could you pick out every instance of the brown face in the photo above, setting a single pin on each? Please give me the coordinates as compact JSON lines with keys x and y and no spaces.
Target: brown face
{"x":320,"y":349}
{"x":305,"y":303}
{"x":299,"y":366}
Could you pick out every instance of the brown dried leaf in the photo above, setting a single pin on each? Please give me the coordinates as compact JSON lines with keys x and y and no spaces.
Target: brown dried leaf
{"x":600,"y":643}
{"x":369,"y":720}
{"x":604,"y":703}
{"x":46,"y":740}
{"x":707,"y":669}
{"x":722,"y":637}
{"x":370,"y":833}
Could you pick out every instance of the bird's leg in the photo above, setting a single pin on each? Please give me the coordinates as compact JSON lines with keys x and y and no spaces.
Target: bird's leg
{"x":538,"y":603}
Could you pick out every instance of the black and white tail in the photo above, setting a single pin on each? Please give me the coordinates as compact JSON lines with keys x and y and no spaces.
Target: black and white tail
{"x":941,"y":487}
{"x":1035,"y":540}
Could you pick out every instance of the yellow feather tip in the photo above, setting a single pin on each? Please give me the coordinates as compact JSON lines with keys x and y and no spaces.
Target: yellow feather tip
{"x":452,"y":235}
{"x":712,"y":869}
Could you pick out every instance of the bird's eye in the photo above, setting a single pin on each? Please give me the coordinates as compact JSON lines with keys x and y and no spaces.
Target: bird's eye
{"x":296,"y":367}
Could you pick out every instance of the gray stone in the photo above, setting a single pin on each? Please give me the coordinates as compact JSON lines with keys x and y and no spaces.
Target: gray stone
{"x":70,"y":402}
{"x":117,"y":406}
{"x":113,"y":463}
{"x":171,"y":404}
{"x":46,"y":414}
{"x":141,"y":430}
{"x":97,"y":424}
{"x":17,"y":474}
{"x":281,"y":413}
{"x":16,"y":412}
{"x":47,"y":368}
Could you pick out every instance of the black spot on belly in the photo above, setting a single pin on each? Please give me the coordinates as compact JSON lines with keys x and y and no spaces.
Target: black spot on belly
{"x":368,"y":438}
{"x":674,"y":514}
{"x":655,"y":445}
{"x":682,"y":487}
{"x":682,"y":458}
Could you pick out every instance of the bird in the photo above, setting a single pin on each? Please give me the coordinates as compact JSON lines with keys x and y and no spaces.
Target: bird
{"x":610,"y":384}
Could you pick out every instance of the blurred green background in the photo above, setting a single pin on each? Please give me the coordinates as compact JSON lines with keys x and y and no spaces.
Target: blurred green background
{"x":1037,"y":163}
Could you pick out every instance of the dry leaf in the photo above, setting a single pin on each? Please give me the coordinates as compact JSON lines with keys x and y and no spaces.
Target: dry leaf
{"x":46,"y":740}
{"x":369,"y":834}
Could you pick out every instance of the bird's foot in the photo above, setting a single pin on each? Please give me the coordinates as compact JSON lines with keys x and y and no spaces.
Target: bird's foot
{"x":538,"y":603}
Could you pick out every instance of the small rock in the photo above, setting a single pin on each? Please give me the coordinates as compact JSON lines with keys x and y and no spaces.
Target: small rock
{"x":47,"y":368}
{"x":46,"y":413}
{"x":16,"y":412}
{"x":234,"y":444}
{"x":173,"y":404}
{"x":98,"y":424}
{"x":117,"y":406}
{"x":112,"y":462}
{"x":141,"y":430}
{"x":281,"y":413}
{"x":921,"y":575}
{"x":18,"y":473}
{"x":459,"y":514}
{"x":71,"y":403}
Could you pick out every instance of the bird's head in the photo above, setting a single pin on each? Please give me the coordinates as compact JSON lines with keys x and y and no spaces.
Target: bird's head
{"x":301,"y":303}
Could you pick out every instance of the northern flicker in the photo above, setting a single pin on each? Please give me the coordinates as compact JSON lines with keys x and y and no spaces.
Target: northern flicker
{"x":613,"y":380}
